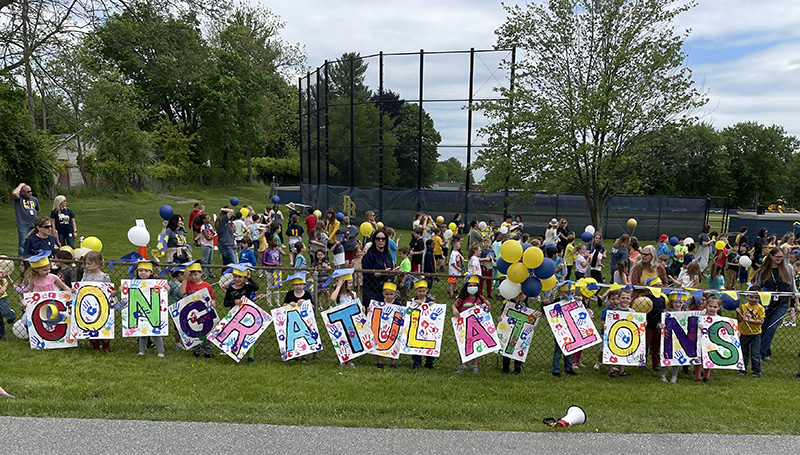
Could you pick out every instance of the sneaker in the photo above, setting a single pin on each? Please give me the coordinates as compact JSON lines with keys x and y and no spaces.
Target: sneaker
{"x":625,"y":375}
{"x":474,"y":369}
{"x":793,"y":324}
{"x":393,"y":366}
{"x":744,"y":373}
{"x":141,"y":353}
{"x":250,"y":360}
{"x":461,"y":369}
{"x":195,"y":353}
{"x":380,"y":366}
{"x":506,"y":371}
{"x":612,"y":375}
{"x":178,"y":346}
{"x":304,"y":360}
{"x":674,"y":379}
{"x":429,"y":366}
{"x":516,"y":372}
{"x":597,"y":366}
{"x":571,"y":373}
{"x":756,"y":375}
{"x":351,"y":364}
{"x":160,"y":355}
{"x":769,"y":357}
{"x":208,"y":356}
{"x":582,"y":365}
{"x":663,"y":378}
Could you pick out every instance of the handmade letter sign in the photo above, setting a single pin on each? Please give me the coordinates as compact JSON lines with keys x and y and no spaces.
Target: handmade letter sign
{"x":385,"y":320}
{"x":475,"y":333}
{"x":624,"y":340}
{"x":423,"y":327}
{"x":240,"y":328}
{"x":720,"y":341}
{"x":194,"y":317}
{"x":515,"y":330}
{"x":144,"y":308}
{"x":57,"y":335}
{"x":93,"y":311}
{"x":572,"y":327}
{"x":296,"y":330}
{"x":346,"y":324}
{"x":680,"y":342}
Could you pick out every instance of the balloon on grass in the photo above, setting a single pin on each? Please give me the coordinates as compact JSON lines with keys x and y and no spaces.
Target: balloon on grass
{"x":511,"y":251}
{"x":508,"y":289}
{"x":517,"y":272}
{"x":138,"y":236}
{"x":166,"y":212}
{"x":586,"y":237}
{"x":532,"y":257}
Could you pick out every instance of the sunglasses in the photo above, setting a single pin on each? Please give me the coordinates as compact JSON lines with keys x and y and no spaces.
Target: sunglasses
{"x":380,"y":238}
{"x":49,"y":226}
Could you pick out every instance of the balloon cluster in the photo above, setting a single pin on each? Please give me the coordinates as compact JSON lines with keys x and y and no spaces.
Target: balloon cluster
{"x":517,"y":261}
{"x":588,"y":234}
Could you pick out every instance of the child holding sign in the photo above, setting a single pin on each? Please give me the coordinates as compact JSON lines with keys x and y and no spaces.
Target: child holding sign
{"x":144,"y":271}
{"x":343,"y":294}
{"x":421,"y":290}
{"x":623,"y":304}
{"x":241,"y":286}
{"x":675,"y":305}
{"x":191,"y":284}
{"x":469,"y":298}
{"x":751,"y":317}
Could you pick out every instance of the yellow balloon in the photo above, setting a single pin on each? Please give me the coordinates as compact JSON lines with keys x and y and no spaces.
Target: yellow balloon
{"x":244,"y":211}
{"x":379,"y":224}
{"x":582,"y":286}
{"x":366,"y":229}
{"x":720,"y":245}
{"x":439,"y":219}
{"x":511,"y":251}
{"x":452,"y":227}
{"x":532,"y":257}
{"x":93,"y":243}
{"x":632,"y":223}
{"x":642,"y":305}
{"x":517,"y":272}
{"x":317,"y":214}
{"x":548,"y":283}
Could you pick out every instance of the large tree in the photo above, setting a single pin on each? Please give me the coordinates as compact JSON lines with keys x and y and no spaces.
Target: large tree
{"x":595,"y":77}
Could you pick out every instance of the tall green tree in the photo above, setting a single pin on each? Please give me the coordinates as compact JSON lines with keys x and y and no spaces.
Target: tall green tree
{"x":410,"y":137}
{"x":596,"y":76}
{"x":346,"y":75}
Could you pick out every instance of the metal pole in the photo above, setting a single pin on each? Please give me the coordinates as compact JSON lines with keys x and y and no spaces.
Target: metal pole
{"x":327,"y":128}
{"x":352,"y":124}
{"x":300,"y":127}
{"x":508,"y":135}
{"x":380,"y":135}
{"x":319,"y":139}
{"x":419,"y":131}
{"x":308,"y":119}
{"x":469,"y":133}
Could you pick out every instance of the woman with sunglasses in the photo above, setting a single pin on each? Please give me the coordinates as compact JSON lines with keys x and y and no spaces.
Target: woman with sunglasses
{"x":40,"y":238}
{"x":775,"y":275}
{"x":376,"y":258}
{"x":647,"y":271}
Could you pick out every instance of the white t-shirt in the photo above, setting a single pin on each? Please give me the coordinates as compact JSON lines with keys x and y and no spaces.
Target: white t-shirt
{"x":455,"y":260}
{"x":474,"y":266}
{"x":238,"y":229}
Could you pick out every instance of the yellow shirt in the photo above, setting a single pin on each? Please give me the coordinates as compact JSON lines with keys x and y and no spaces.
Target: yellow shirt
{"x":569,"y":254}
{"x":332,"y":229}
{"x":757,"y":312}
{"x":437,"y":246}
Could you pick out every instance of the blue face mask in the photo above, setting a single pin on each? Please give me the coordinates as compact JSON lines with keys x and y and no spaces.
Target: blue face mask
{"x":472,"y":290}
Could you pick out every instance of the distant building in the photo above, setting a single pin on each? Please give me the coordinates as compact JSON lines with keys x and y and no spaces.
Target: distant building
{"x":67,"y":152}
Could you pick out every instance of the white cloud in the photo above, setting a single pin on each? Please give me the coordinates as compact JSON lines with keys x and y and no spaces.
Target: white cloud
{"x":727,"y":23}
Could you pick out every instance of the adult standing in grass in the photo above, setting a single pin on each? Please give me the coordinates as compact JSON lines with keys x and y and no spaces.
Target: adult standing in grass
{"x":704,"y":250}
{"x":644,"y":272}
{"x":619,"y":251}
{"x":39,"y":238}
{"x":225,"y":239}
{"x":561,"y":235}
{"x":475,"y":237}
{"x":332,"y":225}
{"x":775,"y":275}
{"x":376,"y":258}
{"x":64,"y":221}
{"x":26,"y":207}
{"x":177,"y":248}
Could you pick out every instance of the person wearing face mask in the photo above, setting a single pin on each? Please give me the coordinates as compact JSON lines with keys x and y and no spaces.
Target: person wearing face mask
{"x":469,"y":298}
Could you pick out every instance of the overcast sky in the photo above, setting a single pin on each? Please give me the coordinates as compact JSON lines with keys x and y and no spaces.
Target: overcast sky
{"x":744,"y":53}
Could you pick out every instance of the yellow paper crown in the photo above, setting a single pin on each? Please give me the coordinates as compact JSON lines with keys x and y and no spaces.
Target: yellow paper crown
{"x":194,"y":268}
{"x":145,"y":265}
{"x":40,"y":263}
{"x":474,"y":279}
{"x":237,"y":272}
{"x":421,"y":284}
{"x":390,"y":286}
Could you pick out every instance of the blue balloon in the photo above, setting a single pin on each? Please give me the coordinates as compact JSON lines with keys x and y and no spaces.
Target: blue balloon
{"x":546,"y":270}
{"x":502,"y":266}
{"x":730,"y":303}
{"x":532,"y":286}
{"x":525,"y":246}
{"x":166,"y":212}
{"x":586,"y":237}
{"x":339,"y":216}
{"x":234,"y":201}
{"x":276,"y":199}
{"x":550,"y":245}
{"x":673,"y":241}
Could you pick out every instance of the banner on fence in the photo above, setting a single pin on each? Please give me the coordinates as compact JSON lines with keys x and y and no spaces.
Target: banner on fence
{"x":680,"y":342}
{"x":624,"y":338}
{"x":475,"y":333}
{"x":385,"y":321}
{"x":572,"y":327}
{"x":423,"y":328}
{"x":346,"y":325}
{"x":515,"y":330}
{"x":93,"y":311}
{"x":56,"y":336}
{"x":144,"y":308}
{"x":720,"y":342}
{"x":239,"y":329}
{"x":194,"y":317}
{"x":296,"y":330}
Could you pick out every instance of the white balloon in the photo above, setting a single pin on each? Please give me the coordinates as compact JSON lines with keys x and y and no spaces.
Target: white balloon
{"x":81,"y":252}
{"x":509,"y":289}
{"x":482,"y":225}
{"x":448,"y":233}
{"x":589,"y":229}
{"x":138,"y":236}
{"x":745,"y":261}
{"x":20,"y":329}
{"x":688,"y":241}
{"x":504,"y":230}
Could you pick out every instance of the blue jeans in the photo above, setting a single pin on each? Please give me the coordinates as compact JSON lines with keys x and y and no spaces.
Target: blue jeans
{"x":208,"y":256}
{"x":771,"y":322}
{"x":5,"y":313}
{"x":228,"y":255}
{"x":557,"y":354}
{"x":751,"y":347}
{"x":22,"y":233}
{"x":66,"y":239}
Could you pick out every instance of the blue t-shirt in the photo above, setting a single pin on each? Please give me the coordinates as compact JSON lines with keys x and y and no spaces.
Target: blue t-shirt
{"x":35,"y":243}
{"x":247,"y":256}
{"x":225,"y":232}
{"x":393,"y":250}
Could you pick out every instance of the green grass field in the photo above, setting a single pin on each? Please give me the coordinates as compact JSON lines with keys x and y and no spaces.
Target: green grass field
{"x":83,"y":383}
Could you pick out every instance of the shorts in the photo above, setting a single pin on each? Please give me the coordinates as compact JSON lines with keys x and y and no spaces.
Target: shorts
{"x":416,"y":268}
{"x":452,"y":280}
{"x":348,"y":255}
{"x":438,"y":257}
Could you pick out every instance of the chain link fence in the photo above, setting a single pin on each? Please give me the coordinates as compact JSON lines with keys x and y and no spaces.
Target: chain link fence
{"x":784,"y":345}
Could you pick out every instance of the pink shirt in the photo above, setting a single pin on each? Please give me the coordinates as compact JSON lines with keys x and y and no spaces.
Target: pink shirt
{"x":44,"y":284}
